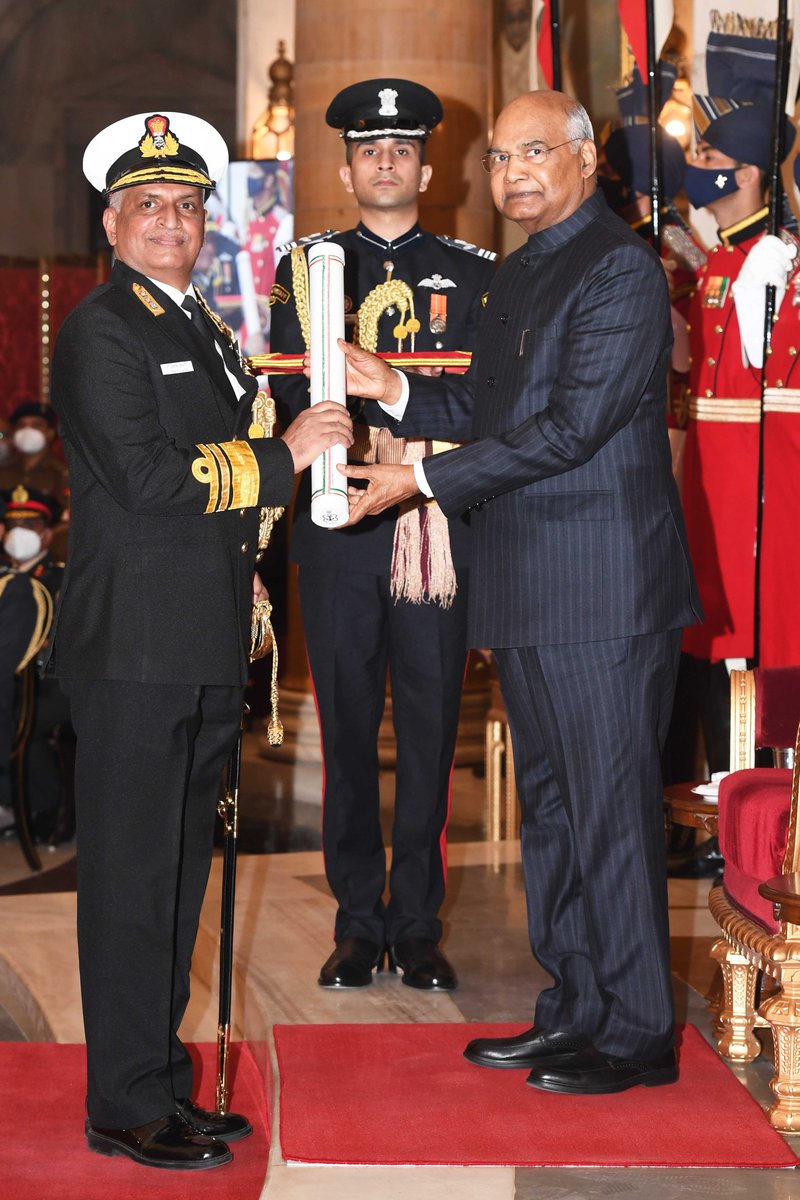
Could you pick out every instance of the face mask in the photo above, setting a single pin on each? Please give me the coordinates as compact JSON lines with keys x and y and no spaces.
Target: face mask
{"x":704,"y":185}
{"x":29,"y":441}
{"x":22,"y":544}
{"x":618,"y":195}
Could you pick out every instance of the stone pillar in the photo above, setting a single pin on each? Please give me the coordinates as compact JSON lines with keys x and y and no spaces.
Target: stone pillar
{"x":447,"y":47}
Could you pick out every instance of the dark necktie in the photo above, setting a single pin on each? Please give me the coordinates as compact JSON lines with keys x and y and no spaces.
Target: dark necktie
{"x":190,"y":305}
{"x":204,"y":329}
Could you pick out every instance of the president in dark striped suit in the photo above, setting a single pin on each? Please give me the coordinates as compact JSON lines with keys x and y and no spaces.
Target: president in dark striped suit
{"x":581,"y":584}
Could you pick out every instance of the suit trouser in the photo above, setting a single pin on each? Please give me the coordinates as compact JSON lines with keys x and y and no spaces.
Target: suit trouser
{"x":148,"y":765}
{"x":588,"y":723}
{"x":354,"y":629}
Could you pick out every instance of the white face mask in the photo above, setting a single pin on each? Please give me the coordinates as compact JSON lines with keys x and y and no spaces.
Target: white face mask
{"x":22,"y":544}
{"x":29,"y":441}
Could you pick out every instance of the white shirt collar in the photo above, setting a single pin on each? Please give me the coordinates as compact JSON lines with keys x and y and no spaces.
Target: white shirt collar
{"x":174,"y":293}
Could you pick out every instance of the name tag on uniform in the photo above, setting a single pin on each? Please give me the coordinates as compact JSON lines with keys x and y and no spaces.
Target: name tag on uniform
{"x":177,"y":368}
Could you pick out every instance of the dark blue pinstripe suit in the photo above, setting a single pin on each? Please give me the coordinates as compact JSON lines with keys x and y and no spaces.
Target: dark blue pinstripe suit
{"x":581,"y":583}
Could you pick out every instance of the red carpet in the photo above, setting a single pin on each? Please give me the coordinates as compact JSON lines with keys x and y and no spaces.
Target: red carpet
{"x":45,"y":1154}
{"x":404,"y":1095}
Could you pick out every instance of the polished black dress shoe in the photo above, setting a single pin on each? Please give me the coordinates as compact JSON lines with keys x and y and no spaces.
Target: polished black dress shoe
{"x":351,"y":964}
{"x":423,"y":965}
{"x":525,"y":1049}
{"x":231,"y":1126}
{"x":592,"y":1073}
{"x":705,"y":862}
{"x":167,"y":1142}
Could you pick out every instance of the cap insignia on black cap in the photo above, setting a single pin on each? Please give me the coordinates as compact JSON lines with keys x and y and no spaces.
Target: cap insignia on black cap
{"x":388,"y":99}
{"x":158,"y":142}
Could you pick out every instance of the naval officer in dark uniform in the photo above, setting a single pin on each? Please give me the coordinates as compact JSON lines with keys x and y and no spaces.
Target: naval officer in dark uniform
{"x":393,"y":590}
{"x":152,"y":632}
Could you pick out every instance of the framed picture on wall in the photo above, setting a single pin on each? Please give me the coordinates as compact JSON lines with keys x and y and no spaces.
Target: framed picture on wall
{"x":250,"y":215}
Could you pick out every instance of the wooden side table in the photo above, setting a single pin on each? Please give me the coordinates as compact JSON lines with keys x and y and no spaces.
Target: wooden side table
{"x":784,"y":892}
{"x":682,"y":806}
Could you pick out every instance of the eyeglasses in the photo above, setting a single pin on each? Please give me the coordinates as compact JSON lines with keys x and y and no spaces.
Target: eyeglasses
{"x":497,"y":160}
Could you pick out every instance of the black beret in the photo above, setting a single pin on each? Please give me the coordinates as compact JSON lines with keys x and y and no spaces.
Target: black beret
{"x":33,"y":408}
{"x":384,"y":108}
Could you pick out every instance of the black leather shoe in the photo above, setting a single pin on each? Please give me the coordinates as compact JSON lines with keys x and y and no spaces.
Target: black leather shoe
{"x":526,"y":1049}
{"x":423,"y":965}
{"x":592,"y":1073}
{"x":167,"y":1142}
{"x":231,"y":1127}
{"x":705,"y":862}
{"x":351,"y":964}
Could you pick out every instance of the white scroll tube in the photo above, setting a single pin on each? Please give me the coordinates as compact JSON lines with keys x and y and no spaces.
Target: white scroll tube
{"x":329,"y":506}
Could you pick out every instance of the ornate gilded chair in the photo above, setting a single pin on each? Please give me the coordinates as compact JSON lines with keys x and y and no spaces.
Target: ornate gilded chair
{"x":759,"y":836}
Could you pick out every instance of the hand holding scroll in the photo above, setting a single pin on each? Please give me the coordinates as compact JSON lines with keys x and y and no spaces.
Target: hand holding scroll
{"x":369,"y":376}
{"x":316,"y":430}
{"x":389,"y":484}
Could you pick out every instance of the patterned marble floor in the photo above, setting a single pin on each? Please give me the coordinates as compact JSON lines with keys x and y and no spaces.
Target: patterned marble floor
{"x":284,"y":922}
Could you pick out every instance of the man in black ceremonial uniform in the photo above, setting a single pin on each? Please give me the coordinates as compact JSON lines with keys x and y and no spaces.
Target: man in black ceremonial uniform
{"x":152,"y":634}
{"x":392,"y":590}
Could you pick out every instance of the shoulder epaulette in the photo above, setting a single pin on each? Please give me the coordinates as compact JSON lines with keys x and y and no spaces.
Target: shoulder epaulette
{"x":458,"y":244}
{"x":307,"y":241}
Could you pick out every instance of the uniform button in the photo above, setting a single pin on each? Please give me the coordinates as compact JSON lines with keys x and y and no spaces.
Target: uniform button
{"x":245,"y":546}
{"x":503,"y":318}
{"x":688,"y":327}
{"x":709,"y":393}
{"x":523,"y":262}
{"x":234,"y":438}
{"x":717,"y":329}
{"x":438,"y":345}
{"x":778,"y":383}
{"x":242,"y":512}
{"x":490,"y":381}
{"x":792,"y":351}
{"x":729,"y":249}
{"x":711,"y":361}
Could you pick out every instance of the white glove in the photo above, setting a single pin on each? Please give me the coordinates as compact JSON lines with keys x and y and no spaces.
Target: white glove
{"x":769,"y":262}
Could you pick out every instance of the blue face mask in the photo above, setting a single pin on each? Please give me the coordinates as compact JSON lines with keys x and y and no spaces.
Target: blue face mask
{"x":704,"y":185}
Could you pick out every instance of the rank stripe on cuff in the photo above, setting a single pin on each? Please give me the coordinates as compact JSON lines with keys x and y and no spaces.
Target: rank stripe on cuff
{"x":230,"y":471}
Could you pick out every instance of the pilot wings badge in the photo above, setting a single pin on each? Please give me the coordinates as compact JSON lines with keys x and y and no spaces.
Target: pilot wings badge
{"x":436,"y":281}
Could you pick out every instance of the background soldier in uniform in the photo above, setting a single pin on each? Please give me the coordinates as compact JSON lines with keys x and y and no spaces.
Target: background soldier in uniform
{"x":360,"y":608}
{"x":152,"y":633}
{"x":729,"y":177}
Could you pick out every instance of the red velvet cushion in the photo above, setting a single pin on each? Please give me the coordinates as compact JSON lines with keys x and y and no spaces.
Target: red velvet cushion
{"x":753,"y":827}
{"x":777,"y":705}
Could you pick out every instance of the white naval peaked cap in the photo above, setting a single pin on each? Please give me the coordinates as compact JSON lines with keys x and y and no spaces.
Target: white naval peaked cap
{"x":163,"y":147}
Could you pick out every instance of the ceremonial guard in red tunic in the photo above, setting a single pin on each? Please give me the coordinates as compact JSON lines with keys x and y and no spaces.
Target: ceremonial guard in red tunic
{"x":720,"y":491}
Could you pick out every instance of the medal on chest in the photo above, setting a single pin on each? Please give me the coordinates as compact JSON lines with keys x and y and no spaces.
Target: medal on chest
{"x":716,"y":291}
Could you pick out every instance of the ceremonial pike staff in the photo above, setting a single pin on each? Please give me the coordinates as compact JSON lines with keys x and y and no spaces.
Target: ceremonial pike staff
{"x":775,"y":198}
{"x":262,"y":640}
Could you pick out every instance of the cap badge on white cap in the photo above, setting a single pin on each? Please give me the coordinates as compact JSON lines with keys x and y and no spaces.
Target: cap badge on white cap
{"x":158,"y":141}
{"x":387,"y":97}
